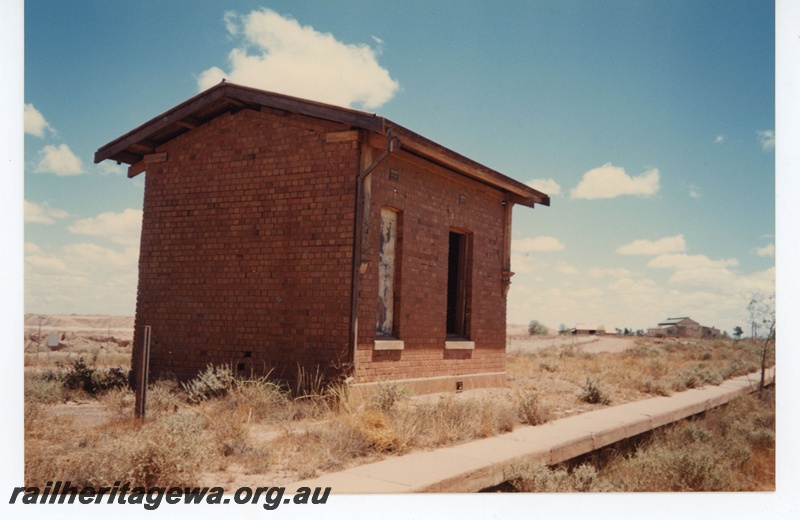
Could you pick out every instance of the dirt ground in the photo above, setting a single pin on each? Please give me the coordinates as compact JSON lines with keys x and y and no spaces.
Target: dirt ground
{"x":108,"y":339}
{"x":518,"y":340}
{"x":102,"y":339}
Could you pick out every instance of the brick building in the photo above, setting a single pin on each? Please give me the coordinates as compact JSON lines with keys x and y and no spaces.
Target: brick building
{"x":281,"y":233}
{"x":683,"y":327}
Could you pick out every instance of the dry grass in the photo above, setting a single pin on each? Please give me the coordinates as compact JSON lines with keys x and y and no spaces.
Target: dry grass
{"x":223,"y":426}
{"x":97,"y":351}
{"x":570,"y":381}
{"x":728,"y":449}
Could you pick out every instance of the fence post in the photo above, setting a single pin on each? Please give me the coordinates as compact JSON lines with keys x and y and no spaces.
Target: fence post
{"x":141,"y":374}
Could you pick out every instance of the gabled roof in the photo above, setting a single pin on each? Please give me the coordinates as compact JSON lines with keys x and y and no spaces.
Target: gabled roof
{"x":675,"y":321}
{"x":132,"y":147}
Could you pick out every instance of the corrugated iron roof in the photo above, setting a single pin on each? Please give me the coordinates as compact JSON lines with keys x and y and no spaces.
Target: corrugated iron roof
{"x":674,"y":321}
{"x":132,"y":147}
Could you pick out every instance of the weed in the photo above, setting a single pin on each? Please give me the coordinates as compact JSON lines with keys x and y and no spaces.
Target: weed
{"x":44,"y":387}
{"x":309,"y":383}
{"x":539,"y":478}
{"x":531,"y":410}
{"x":655,"y":387}
{"x":551,"y":365}
{"x":698,"y":376}
{"x":592,"y":393}
{"x":215,"y":381}
{"x":679,"y":468}
{"x":168,"y":455}
{"x":388,"y":395}
{"x":643,"y":350}
{"x":697,"y":432}
{"x":376,"y":429}
{"x":567,"y":351}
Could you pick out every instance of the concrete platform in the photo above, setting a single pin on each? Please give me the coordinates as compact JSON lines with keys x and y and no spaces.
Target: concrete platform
{"x":470,"y":467}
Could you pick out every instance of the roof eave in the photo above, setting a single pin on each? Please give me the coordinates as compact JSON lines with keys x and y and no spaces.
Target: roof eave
{"x":424,"y":147}
{"x":229,"y":96}
{"x":133,"y":147}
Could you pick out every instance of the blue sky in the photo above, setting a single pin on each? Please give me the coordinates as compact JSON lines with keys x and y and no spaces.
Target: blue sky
{"x":650,"y":123}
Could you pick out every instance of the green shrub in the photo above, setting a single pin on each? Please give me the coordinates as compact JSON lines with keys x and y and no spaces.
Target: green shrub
{"x":92,"y":380}
{"x":536,"y":329}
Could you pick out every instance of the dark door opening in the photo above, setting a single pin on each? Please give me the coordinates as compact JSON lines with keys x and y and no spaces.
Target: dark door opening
{"x":457,"y":267}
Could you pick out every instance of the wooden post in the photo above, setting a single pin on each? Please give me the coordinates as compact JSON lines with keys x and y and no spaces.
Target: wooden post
{"x":508,"y":208}
{"x":142,"y":373}
{"x":38,"y":341}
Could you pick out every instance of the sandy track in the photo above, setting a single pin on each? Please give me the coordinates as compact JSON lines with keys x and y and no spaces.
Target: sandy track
{"x":591,"y":344}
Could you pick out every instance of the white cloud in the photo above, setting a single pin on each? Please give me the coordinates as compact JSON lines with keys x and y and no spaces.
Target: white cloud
{"x":684,"y":261}
{"x":609,"y":181}
{"x":231,"y":23}
{"x":616,"y":272}
{"x":759,"y":282}
{"x":80,"y":277}
{"x":719,"y":139}
{"x":665,"y":245}
{"x":630,"y":286}
{"x":59,"y":160}
{"x":119,"y":228}
{"x":32,"y":249}
{"x":301,"y":61}
{"x":768,"y":250}
{"x":546,"y":186}
{"x":93,"y":254}
{"x":710,"y":290}
{"x":42,"y":214}
{"x":700,"y":270}
{"x":541,"y":244}
{"x":109,"y":168}
{"x":35,"y":123}
{"x":717,"y":277}
{"x":568,"y":269}
{"x":766,"y":138}
{"x":45,"y":263}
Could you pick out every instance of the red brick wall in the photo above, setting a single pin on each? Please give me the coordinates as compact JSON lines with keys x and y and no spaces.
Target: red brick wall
{"x":246,"y":254}
{"x":430,"y":201}
{"x":247,"y":246}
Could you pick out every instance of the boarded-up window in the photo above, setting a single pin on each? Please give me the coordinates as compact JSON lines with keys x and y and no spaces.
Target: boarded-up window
{"x":458,"y":267}
{"x":387,"y":273}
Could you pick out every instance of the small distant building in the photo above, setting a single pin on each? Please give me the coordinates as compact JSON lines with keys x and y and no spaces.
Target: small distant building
{"x":582,"y":329}
{"x":683,"y":327}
